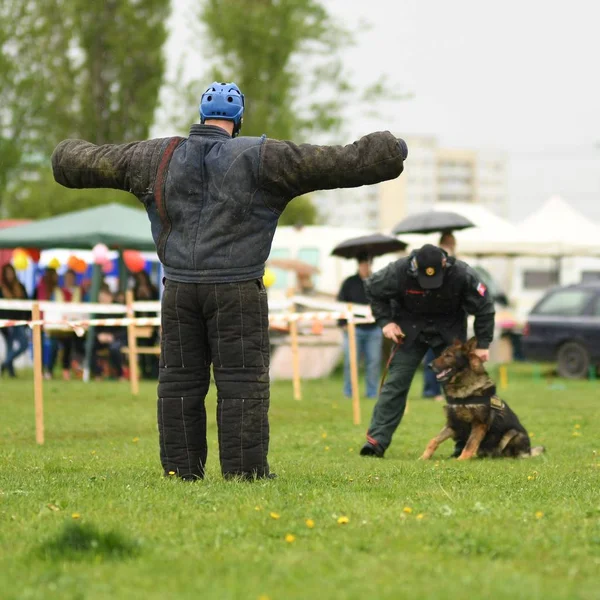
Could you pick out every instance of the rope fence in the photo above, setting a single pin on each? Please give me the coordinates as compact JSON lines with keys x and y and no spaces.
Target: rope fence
{"x":290,"y":317}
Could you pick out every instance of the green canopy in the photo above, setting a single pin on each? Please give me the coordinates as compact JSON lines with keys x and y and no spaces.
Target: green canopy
{"x":119,"y":227}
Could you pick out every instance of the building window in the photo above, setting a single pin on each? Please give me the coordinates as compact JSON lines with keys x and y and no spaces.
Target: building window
{"x":539,"y":280}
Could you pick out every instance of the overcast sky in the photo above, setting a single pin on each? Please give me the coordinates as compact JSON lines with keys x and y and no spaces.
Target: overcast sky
{"x":520,"y":76}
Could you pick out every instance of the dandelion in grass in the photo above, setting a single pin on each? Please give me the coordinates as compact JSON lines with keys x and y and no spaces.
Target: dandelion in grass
{"x":257,"y":508}
{"x":327,"y":448}
{"x":76,"y":516}
{"x":407,"y":510}
{"x":290,"y":538}
{"x":275,"y":515}
{"x":343,"y":520}
{"x":310,"y":523}
{"x":350,"y":449}
{"x":135,"y":440}
{"x":263,"y":597}
{"x":576,"y":434}
{"x":577,"y":426}
{"x":420,"y":516}
{"x":171,"y":473}
{"x":539,"y":514}
{"x":324,"y":435}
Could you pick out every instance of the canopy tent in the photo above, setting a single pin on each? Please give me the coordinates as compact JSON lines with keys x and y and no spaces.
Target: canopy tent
{"x":561,"y":230}
{"x":119,"y":227}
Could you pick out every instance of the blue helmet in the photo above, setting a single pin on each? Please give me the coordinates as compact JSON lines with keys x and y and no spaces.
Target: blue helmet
{"x":223,"y":101}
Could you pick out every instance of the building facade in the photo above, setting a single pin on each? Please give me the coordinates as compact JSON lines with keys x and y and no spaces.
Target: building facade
{"x":433,"y":175}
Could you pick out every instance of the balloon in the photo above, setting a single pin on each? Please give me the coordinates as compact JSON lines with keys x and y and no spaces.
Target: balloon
{"x":72,"y":262}
{"x":100,"y":254}
{"x":77,"y":264}
{"x":107,"y":267}
{"x":20,"y":260}
{"x":269,"y":278}
{"x":134,"y":261}
{"x":54,"y":263}
{"x":34,"y":254}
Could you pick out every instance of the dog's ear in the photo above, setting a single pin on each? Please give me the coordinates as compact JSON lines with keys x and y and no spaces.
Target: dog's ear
{"x":471,"y":345}
{"x":476,"y":364}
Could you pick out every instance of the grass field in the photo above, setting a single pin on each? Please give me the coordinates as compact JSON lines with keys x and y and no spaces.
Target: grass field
{"x":89,"y":515}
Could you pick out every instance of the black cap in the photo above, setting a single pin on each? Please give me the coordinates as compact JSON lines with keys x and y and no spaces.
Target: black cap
{"x":430,"y":268}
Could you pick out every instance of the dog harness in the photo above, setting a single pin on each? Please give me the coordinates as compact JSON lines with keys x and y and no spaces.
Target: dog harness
{"x":489,"y":398}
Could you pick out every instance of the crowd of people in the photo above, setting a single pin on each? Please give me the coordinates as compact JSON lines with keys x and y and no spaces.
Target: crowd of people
{"x":63,"y":345}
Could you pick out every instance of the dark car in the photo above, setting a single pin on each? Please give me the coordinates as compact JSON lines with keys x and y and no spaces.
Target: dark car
{"x":564,"y":326}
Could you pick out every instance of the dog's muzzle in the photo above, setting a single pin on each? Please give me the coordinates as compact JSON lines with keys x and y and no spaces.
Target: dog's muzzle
{"x":441,"y":376}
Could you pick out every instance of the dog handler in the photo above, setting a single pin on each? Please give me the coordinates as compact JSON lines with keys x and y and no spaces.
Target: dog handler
{"x":422,"y":301}
{"x":213,"y":200}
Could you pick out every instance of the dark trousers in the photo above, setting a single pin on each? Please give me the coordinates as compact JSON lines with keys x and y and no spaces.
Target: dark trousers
{"x":431,"y":386}
{"x":17,"y":341}
{"x":390,"y":406}
{"x":115,"y":356}
{"x":225,"y":325}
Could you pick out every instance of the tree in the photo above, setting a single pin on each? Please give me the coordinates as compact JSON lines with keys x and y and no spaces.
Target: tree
{"x":279,"y":53}
{"x":74,"y":68}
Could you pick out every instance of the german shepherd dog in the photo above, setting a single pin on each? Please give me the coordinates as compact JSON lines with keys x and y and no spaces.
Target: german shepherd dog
{"x":474,"y":414}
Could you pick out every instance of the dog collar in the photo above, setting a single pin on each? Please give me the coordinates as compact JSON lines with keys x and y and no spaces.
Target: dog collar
{"x":488,"y":398}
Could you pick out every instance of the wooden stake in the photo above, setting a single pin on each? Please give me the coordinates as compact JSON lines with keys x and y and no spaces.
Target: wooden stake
{"x":134,"y":377}
{"x":503,"y":372}
{"x":353,"y":366}
{"x":295,"y":359}
{"x":38,"y":380}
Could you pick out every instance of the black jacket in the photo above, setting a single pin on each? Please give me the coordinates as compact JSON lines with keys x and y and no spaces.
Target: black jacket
{"x":396,"y":296}
{"x":214,"y":201}
{"x":353,"y":290}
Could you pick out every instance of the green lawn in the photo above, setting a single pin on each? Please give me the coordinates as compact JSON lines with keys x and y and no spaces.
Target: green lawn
{"x":483,"y":529}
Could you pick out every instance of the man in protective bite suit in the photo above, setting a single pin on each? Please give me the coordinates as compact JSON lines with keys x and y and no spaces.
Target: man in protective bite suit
{"x":213,"y":201}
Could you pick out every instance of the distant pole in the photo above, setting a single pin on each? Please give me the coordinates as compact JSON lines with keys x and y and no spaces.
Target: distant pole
{"x":38,"y":387}
{"x":134,"y":376}
{"x":123,"y":275}
{"x":353,"y":366}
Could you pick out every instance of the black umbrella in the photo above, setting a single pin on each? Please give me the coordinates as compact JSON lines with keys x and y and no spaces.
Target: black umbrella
{"x":432,"y":221}
{"x":375,"y":244}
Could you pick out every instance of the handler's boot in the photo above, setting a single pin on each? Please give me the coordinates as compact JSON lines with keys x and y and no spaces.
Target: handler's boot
{"x":372,"y":450}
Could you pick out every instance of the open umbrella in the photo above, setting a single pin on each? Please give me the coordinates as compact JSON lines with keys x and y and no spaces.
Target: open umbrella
{"x":375,"y":244}
{"x":432,"y":221}
{"x":293,"y":264}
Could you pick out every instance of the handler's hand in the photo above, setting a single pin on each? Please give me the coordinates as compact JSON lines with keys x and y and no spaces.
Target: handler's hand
{"x":483,"y":355}
{"x":393,"y":332}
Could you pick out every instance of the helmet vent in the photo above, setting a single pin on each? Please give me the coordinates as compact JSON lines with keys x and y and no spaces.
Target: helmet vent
{"x":229,"y":99}
{"x":209,"y":98}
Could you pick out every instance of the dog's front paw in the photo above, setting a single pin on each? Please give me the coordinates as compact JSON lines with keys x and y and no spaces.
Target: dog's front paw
{"x":465,"y":456}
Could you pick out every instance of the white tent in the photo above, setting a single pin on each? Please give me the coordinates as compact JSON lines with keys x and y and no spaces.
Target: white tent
{"x":561,"y":230}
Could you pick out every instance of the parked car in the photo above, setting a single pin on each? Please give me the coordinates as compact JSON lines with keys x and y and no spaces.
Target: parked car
{"x":564,"y":327}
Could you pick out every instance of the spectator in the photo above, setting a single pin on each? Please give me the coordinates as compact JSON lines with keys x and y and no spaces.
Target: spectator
{"x":108,"y":338}
{"x":145,"y":290}
{"x":15,"y":337}
{"x":69,"y":342}
{"x":368,"y":335}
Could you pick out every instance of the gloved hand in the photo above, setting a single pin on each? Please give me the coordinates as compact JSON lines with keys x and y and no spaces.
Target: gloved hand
{"x":403,"y":148}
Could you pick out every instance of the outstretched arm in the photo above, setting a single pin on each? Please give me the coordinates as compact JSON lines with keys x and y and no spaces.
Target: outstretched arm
{"x":129,"y":167}
{"x":288,"y":170}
